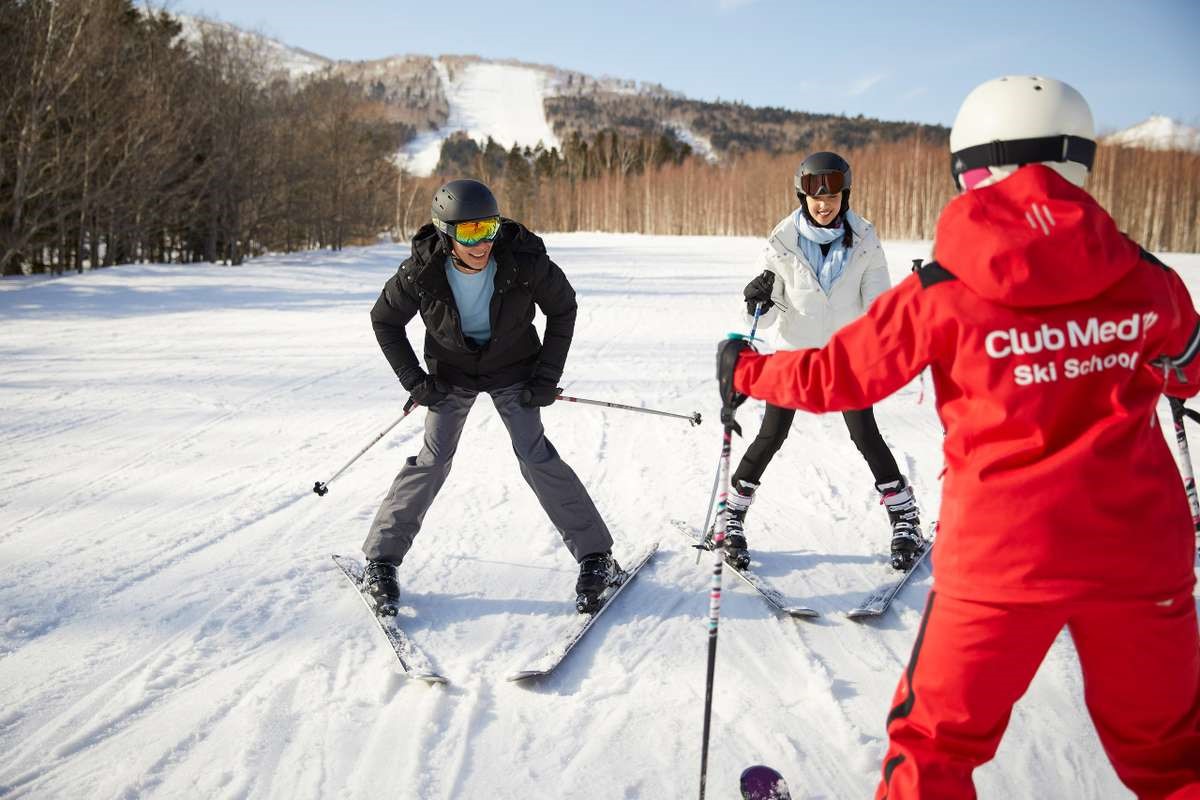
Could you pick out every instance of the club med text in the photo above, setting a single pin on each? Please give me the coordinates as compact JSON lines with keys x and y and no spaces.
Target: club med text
{"x":1074,"y":334}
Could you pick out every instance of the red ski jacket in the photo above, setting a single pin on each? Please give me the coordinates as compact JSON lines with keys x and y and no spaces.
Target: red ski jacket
{"x":1050,"y":337}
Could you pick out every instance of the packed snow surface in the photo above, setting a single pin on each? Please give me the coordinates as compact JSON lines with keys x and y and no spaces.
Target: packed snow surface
{"x":171,"y":624}
{"x":504,"y":101}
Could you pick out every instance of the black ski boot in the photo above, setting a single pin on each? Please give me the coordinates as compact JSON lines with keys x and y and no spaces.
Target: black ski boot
{"x":901,"y":505}
{"x":597,"y":572}
{"x":381,"y":588}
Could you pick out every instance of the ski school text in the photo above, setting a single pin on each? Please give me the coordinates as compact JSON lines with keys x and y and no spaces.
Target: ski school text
{"x":1091,"y":332}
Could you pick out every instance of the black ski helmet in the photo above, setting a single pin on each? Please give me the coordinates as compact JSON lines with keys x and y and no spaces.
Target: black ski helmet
{"x":824,"y":163}
{"x":462,"y":200}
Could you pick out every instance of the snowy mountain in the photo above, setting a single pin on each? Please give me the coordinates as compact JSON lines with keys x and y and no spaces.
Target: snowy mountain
{"x":172,"y":626}
{"x":517,"y":103}
{"x":291,"y":61}
{"x":1157,"y":133}
{"x":503,"y":101}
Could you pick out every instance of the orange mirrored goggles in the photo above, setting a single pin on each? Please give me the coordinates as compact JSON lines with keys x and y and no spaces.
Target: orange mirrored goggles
{"x":476,"y":230}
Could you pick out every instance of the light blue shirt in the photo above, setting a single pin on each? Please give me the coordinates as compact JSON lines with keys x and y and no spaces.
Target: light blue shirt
{"x":473,"y":296}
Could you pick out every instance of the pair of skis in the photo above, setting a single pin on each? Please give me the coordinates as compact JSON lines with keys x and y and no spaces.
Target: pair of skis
{"x":418,"y":666}
{"x":874,"y":605}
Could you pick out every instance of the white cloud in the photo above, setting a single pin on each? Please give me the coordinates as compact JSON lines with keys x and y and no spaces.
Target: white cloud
{"x":865,"y":83}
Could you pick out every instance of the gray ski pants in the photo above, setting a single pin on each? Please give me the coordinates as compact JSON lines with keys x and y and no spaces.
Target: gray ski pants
{"x":558,"y":489}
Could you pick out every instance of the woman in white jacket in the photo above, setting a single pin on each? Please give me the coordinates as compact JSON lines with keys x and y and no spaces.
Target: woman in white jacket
{"x":822,"y":267}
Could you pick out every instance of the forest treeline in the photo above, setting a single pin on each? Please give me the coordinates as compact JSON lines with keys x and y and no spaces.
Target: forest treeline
{"x":121,"y":143}
{"x":654,"y":184}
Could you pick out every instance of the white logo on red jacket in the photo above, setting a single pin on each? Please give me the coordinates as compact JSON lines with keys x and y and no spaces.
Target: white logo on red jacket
{"x":1040,"y":215}
{"x":1005,"y":343}
{"x":1089,"y":333}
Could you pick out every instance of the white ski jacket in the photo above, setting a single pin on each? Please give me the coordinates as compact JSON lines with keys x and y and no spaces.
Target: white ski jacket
{"x":807,"y":317}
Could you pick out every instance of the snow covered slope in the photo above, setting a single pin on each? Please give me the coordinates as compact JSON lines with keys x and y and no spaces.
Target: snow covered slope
{"x":1157,"y":133}
{"x":504,"y":101}
{"x":171,"y":624}
{"x":293,"y":62}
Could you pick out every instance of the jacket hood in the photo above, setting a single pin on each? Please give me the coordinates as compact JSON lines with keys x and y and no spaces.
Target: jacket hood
{"x":428,"y":244}
{"x":1032,"y":240}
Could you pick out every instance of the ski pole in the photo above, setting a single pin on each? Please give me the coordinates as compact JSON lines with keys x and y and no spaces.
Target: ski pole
{"x":322,"y":487}
{"x":693,"y":419}
{"x":758,"y":311}
{"x":1178,"y":413}
{"x":714,"y":599}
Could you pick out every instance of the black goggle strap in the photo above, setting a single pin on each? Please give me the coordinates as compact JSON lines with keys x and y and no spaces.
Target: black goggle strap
{"x":1024,"y":151}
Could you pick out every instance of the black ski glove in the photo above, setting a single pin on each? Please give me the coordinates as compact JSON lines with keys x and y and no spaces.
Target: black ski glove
{"x":539,"y":392}
{"x":728,"y":353}
{"x":429,"y":392}
{"x":759,"y":291}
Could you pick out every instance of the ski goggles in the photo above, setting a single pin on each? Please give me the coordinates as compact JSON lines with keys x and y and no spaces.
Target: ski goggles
{"x":820,"y":183}
{"x":474,"y":231}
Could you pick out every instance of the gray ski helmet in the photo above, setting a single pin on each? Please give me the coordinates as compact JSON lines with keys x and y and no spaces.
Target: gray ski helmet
{"x":818,"y":165}
{"x":462,"y":200}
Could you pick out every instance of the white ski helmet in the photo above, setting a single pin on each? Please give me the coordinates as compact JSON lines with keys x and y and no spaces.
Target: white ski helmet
{"x":1009,"y":122}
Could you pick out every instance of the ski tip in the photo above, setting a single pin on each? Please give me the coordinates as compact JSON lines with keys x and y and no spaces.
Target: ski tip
{"x":525,"y":674}
{"x":431,"y":678}
{"x":763,"y":783}
{"x":860,"y":614}
{"x":802,"y":612}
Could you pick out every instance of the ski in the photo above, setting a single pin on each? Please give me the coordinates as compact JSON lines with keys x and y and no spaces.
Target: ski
{"x":555,"y":654}
{"x":414,"y":662}
{"x":765,"y":590}
{"x":877,"y":603}
{"x":763,"y":783}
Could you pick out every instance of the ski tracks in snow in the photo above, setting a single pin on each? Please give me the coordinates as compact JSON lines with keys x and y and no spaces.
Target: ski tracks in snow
{"x":172,"y":625}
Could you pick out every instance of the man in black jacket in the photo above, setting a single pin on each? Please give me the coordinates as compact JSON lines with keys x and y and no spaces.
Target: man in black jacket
{"x":475,"y":278}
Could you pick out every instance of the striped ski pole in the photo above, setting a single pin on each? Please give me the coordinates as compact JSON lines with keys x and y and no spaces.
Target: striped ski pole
{"x":1178,"y":413}
{"x":758,"y":312}
{"x":714,"y":599}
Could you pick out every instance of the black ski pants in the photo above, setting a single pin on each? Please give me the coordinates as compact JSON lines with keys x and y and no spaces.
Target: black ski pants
{"x":778,"y":421}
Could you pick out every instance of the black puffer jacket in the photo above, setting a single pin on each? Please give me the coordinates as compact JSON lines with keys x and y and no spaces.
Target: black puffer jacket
{"x":525,"y":276}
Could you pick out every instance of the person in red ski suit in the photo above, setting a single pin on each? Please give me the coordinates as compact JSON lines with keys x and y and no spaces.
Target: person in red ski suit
{"x":1050,"y":337}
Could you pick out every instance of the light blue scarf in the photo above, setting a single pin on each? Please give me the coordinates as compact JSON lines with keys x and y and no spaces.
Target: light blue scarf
{"x":827,"y":267}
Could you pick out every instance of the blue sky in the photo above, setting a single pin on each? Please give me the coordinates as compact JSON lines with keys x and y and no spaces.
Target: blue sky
{"x":901,"y":61}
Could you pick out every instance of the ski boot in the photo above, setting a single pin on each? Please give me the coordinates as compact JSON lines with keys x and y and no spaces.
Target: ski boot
{"x":901,"y":505}
{"x":597,"y":572}
{"x":381,"y":588}
{"x":736,"y":548}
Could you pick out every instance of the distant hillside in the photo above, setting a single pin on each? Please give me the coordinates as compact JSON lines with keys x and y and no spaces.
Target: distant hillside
{"x":726,"y":127}
{"x":1157,"y":133}
{"x":517,"y":103}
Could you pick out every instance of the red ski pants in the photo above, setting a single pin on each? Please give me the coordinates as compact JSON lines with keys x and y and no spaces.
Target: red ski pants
{"x":972,"y":661}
